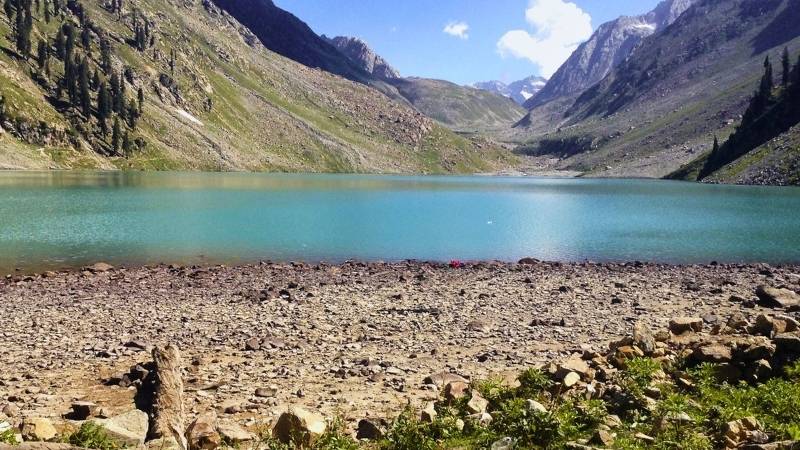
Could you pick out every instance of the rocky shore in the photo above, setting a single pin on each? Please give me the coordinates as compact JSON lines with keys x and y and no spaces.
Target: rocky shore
{"x":355,"y":340}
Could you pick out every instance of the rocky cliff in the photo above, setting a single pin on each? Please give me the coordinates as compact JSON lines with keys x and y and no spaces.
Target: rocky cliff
{"x":607,"y":48}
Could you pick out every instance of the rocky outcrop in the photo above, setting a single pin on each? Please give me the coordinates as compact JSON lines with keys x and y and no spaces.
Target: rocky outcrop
{"x":360,"y":53}
{"x":608,"y":47}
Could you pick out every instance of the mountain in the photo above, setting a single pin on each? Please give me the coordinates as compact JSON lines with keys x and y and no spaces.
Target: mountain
{"x":282,"y":32}
{"x":610,"y":44}
{"x":360,"y":52}
{"x":519,"y":91}
{"x":177,"y":85}
{"x":661,"y":107}
{"x":763,"y":148}
{"x":460,"y":108}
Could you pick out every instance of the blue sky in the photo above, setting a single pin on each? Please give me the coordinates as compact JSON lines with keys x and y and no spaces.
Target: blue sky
{"x":504,"y":39}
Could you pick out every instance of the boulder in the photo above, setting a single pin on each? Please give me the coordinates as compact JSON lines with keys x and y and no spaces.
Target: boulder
{"x":737,"y":431}
{"x":455,"y":390}
{"x":477,"y":404}
{"x":84,"y":410}
{"x":644,"y":338}
{"x":202,"y":433}
{"x":38,"y":429}
{"x":571,"y":379}
{"x":10,"y":410}
{"x":233,"y":434}
{"x":442,"y":378}
{"x":603,"y":438}
{"x":128,"y":429}
{"x":429,"y":413}
{"x":683,"y":325}
{"x":574,"y":364}
{"x":788,"y":343}
{"x":770,"y":297}
{"x":536,"y":407}
{"x":480,"y":326}
{"x":369,"y":429}
{"x":299,"y":427}
{"x":712,"y":353}
{"x":267,"y":392}
{"x":100,"y":267}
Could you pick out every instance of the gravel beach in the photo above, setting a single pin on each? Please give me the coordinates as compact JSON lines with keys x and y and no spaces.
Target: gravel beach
{"x":353,"y":339}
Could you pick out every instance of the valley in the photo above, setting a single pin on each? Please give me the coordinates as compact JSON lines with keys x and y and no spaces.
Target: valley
{"x":643,"y":97}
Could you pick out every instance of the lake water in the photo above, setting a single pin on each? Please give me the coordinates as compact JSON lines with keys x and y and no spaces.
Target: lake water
{"x":68,"y":219}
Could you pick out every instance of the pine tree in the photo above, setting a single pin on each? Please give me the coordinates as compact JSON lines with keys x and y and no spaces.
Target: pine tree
{"x":116,"y":93}
{"x":715,"y":148}
{"x":2,"y":107}
{"x":797,"y":72}
{"x":60,"y":44}
{"x":116,"y":136}
{"x":767,"y":81}
{"x":126,"y":145}
{"x":103,"y":106}
{"x":46,"y":8}
{"x":8,"y":7}
{"x":786,"y":63}
{"x":133,"y":115}
{"x":105,"y":54}
{"x":85,"y":92}
{"x":140,"y":95}
{"x":86,"y":39}
{"x":24,"y":27}
{"x":43,"y":56}
{"x":69,"y":46}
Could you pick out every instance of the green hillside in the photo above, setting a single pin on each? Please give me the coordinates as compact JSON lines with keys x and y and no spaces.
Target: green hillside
{"x":213,"y":99}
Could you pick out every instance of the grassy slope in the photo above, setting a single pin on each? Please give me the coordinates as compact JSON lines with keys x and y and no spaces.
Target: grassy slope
{"x":778,"y":160}
{"x":269,"y":113}
{"x":459,"y":107}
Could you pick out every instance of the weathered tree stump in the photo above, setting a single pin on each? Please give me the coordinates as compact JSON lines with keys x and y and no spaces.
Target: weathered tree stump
{"x":167,"y":415}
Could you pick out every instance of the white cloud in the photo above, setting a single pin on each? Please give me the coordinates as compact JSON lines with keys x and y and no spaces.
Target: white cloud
{"x":457,"y":29}
{"x":558,"y":28}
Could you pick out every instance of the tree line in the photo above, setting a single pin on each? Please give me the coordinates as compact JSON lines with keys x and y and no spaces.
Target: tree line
{"x":773,"y":109}
{"x":88,"y":85}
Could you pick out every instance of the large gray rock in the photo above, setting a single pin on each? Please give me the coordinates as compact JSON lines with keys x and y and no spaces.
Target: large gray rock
{"x":38,"y":429}
{"x":128,"y":429}
{"x":681,"y":325}
{"x":202,"y":433}
{"x":360,"y":53}
{"x":299,"y":426}
{"x":770,"y":297}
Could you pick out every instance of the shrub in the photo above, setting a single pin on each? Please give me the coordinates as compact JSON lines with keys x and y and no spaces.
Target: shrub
{"x":91,"y":435}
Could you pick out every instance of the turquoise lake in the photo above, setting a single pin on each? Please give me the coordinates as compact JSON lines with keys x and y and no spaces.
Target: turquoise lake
{"x":68,"y":219}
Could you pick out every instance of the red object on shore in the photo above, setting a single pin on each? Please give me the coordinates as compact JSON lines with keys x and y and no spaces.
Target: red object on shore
{"x":456,"y":264}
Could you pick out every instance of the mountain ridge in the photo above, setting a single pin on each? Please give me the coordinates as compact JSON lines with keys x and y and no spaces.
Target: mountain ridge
{"x":212,"y":98}
{"x":608,"y":46}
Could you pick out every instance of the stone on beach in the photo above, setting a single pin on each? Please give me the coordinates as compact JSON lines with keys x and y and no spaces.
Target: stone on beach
{"x":299,"y":426}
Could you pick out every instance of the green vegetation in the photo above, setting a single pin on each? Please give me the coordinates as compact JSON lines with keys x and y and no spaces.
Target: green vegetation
{"x":772,"y":111}
{"x":334,"y":438}
{"x":687,"y":418}
{"x":7,"y":437}
{"x":91,"y":435}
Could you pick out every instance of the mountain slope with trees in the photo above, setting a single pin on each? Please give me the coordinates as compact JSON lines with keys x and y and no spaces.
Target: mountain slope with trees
{"x":661,"y":107}
{"x":175,"y":84}
{"x":768,"y":129}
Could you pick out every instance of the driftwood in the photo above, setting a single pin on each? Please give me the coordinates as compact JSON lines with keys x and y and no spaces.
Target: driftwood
{"x":167,"y":415}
